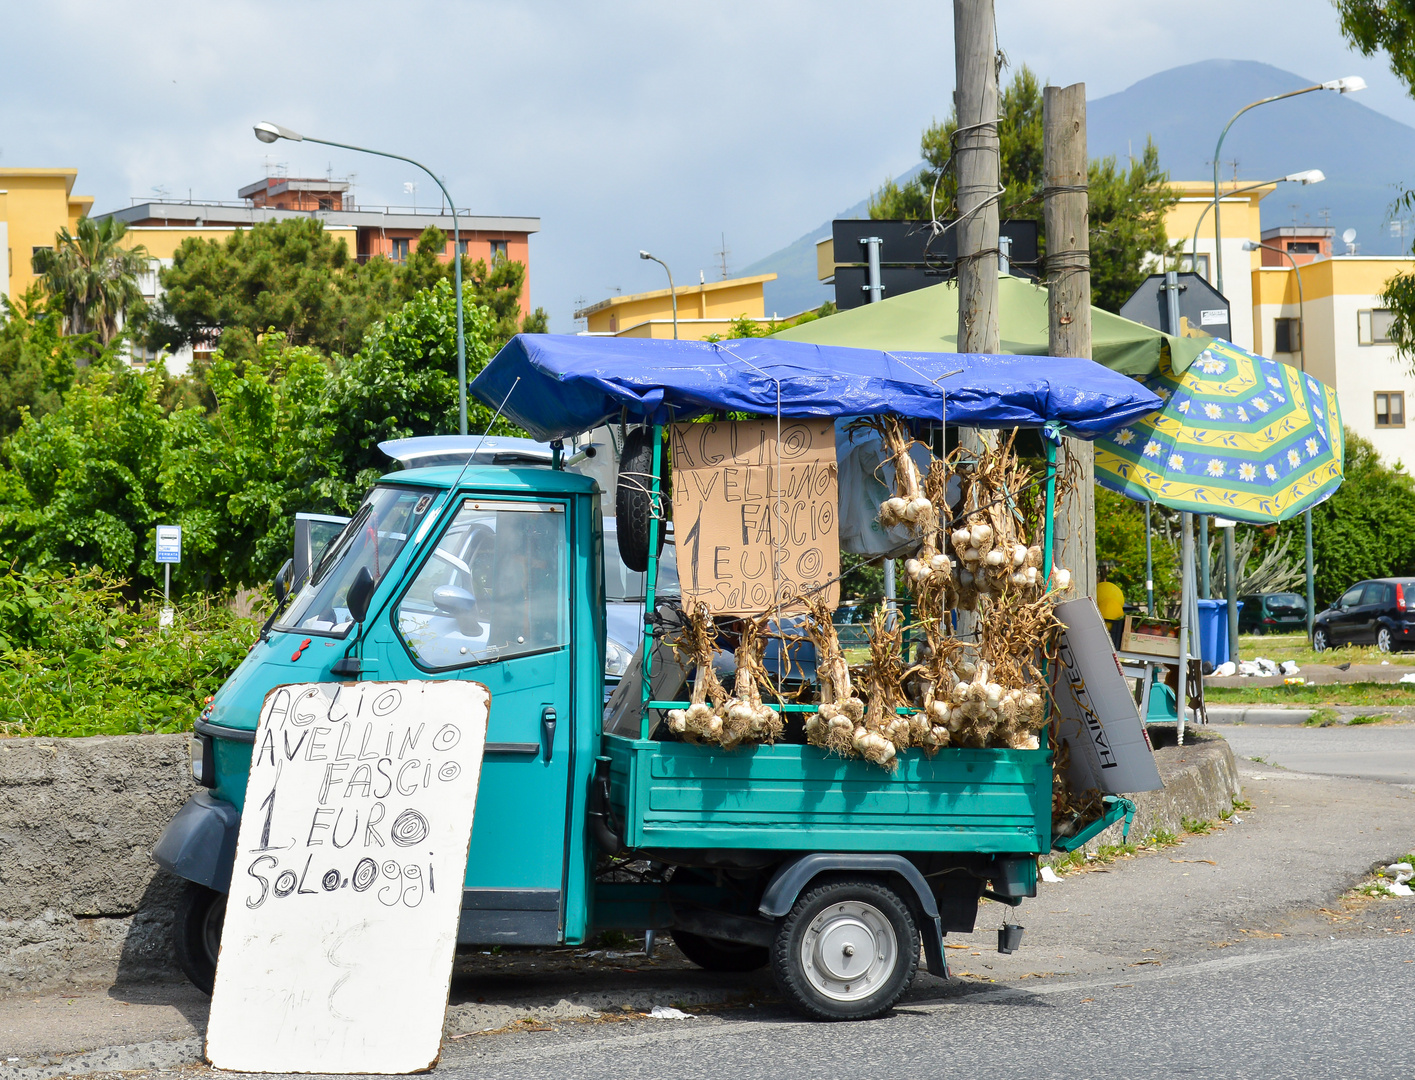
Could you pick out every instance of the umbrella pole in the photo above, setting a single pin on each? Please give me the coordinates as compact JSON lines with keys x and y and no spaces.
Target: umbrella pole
{"x":1311,"y":585}
{"x":1186,"y":562}
{"x":1204,"y":589}
{"x":1149,"y":567}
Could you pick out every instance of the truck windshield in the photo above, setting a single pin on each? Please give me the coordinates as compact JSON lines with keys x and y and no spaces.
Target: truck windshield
{"x":372,"y":539}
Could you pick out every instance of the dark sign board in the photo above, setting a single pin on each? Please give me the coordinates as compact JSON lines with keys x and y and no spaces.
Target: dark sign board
{"x":1202,"y":308}
{"x":911,"y":257}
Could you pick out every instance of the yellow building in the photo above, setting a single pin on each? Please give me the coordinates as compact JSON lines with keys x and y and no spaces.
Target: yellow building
{"x":34,"y":205}
{"x":704,"y":309}
{"x":1332,"y":325}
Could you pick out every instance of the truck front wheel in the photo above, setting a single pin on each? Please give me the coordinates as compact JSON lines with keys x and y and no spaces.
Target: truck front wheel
{"x":847,"y":950}
{"x":197,"y":934}
{"x":714,"y":954}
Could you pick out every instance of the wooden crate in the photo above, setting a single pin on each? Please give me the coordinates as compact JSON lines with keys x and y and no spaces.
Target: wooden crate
{"x":1150,"y":637}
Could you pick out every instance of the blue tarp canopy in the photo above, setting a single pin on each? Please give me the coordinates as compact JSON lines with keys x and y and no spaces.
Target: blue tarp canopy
{"x":571,"y":384}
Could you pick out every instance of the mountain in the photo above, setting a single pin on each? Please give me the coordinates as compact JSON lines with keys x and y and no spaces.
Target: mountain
{"x":1366,"y":156}
{"x":796,"y":287}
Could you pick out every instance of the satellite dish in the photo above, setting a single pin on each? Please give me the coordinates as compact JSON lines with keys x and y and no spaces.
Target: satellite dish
{"x":1348,"y":236}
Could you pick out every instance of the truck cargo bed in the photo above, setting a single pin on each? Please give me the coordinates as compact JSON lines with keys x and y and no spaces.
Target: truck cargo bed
{"x":787,"y":797}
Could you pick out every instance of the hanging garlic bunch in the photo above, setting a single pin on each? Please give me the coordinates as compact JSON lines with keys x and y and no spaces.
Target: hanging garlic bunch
{"x":696,"y":645}
{"x":745,"y":718}
{"x":882,"y":732}
{"x":909,"y":505}
{"x":833,"y":727}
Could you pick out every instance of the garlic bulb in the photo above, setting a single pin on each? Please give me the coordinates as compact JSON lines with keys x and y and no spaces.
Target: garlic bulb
{"x":995,"y":557}
{"x":981,"y":534}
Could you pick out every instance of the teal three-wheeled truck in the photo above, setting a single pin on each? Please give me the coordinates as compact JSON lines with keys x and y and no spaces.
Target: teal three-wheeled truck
{"x":835,"y":872}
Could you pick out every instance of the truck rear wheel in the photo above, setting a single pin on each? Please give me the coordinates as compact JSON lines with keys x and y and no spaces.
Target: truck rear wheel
{"x":714,"y":954}
{"x":197,"y":934}
{"x":847,"y":950}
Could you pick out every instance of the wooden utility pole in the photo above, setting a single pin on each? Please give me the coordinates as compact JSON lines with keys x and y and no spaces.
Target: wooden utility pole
{"x":975,"y":157}
{"x":1068,"y":268}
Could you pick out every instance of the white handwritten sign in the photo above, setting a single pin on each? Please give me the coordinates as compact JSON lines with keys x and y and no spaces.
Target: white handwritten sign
{"x":756,"y":517}
{"x":342,"y":917}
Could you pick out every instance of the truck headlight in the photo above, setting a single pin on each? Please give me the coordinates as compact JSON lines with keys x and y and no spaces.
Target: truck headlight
{"x":616,"y":660}
{"x":203,"y":758}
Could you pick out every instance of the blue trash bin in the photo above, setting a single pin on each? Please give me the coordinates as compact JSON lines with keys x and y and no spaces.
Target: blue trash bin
{"x":1213,"y":630}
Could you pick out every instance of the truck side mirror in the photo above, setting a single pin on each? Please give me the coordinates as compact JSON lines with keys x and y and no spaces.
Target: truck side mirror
{"x":282,"y":580}
{"x":359,"y":594}
{"x":461,"y":604}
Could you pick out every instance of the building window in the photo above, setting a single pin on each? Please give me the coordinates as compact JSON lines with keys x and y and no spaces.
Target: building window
{"x":1304,"y":247}
{"x":1287,"y":335}
{"x":400,"y":249}
{"x":462,"y":246}
{"x":498,"y":247}
{"x":326,"y":203}
{"x":1373,"y":326}
{"x":34,"y":256}
{"x":1186,"y":266}
{"x":1390,"y":408}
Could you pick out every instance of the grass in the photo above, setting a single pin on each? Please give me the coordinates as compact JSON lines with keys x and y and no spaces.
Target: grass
{"x":1375,"y":719}
{"x":1108,"y":853}
{"x":1280,"y":647}
{"x":1361,"y":693}
{"x":1324,"y":717}
{"x":1196,"y":826}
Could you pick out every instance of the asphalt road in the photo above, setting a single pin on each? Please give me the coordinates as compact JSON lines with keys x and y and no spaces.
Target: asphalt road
{"x":1333,"y":1009}
{"x":1384,"y":752}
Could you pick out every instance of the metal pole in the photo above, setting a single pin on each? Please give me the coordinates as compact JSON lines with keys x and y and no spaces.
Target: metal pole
{"x":672,"y":292}
{"x":1311,"y":589}
{"x":1204,"y":555}
{"x":1171,"y":293}
{"x":1186,"y":563}
{"x":1218,"y":151}
{"x":874,"y":286}
{"x":1149,"y":566}
{"x":166,"y":584}
{"x":1230,"y":591}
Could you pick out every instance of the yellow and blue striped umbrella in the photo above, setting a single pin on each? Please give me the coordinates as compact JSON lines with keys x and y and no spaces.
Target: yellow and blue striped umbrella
{"x":1240,"y":436}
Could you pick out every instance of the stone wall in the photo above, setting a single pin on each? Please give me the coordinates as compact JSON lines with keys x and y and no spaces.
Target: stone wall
{"x":81,"y":901}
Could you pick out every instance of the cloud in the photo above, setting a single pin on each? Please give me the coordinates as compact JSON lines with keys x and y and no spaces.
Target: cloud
{"x":622,"y":126}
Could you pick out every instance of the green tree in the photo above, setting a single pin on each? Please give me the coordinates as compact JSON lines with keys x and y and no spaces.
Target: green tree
{"x":82,"y":483}
{"x":37,"y":360}
{"x":1120,"y":549}
{"x":1127,"y":204}
{"x":1366,"y":529}
{"x":291,"y":276}
{"x":92,"y":276}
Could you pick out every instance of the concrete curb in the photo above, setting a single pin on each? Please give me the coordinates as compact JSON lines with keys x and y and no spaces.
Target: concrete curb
{"x":162,"y":1054}
{"x":1200,"y":782}
{"x":1257,"y":714}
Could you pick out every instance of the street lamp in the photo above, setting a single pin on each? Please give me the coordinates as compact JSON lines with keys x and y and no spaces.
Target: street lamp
{"x":269,"y":133}
{"x":1310,"y":176}
{"x":672,"y":292}
{"x":1348,"y":85}
{"x":1249,"y":245}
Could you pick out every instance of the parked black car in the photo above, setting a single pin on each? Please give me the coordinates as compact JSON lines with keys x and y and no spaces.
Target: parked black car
{"x":1380,"y":612}
{"x":1272,"y":613}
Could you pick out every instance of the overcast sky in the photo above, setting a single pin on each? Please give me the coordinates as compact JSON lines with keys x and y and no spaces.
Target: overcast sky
{"x":622,"y":126}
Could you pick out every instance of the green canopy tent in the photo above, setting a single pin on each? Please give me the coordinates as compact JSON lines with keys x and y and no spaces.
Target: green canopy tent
{"x":926,"y":320}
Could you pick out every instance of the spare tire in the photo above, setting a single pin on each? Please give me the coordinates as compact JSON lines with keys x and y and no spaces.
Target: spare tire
{"x":633,"y":501}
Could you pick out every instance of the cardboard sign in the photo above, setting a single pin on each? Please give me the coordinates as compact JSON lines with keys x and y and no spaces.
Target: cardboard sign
{"x":1098,"y":719}
{"x":755,"y":519}
{"x":342,"y":918}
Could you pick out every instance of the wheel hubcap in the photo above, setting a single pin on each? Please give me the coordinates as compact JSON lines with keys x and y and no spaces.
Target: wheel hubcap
{"x":1383,"y":641}
{"x":849,"y":950}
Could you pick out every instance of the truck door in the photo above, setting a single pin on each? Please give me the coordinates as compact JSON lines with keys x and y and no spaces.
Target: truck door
{"x":491,"y":602}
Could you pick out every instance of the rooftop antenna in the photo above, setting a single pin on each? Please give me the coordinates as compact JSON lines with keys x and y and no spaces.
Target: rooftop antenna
{"x":410,"y":187}
{"x":1294,"y":207}
{"x":722,"y":255}
{"x":160,"y":191}
{"x":1325,"y":213}
{"x":1349,"y":239}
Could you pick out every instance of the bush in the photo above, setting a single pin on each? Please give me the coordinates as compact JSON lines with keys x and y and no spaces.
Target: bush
{"x":77,"y":659}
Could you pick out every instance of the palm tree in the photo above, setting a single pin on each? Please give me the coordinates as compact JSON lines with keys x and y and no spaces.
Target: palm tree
{"x":93,"y":276}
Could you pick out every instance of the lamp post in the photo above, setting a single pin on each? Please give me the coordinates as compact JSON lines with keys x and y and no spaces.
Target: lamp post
{"x":269,"y":133}
{"x":671,"y":290}
{"x":1310,"y":176}
{"x":1249,"y":245}
{"x":1348,"y":85}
